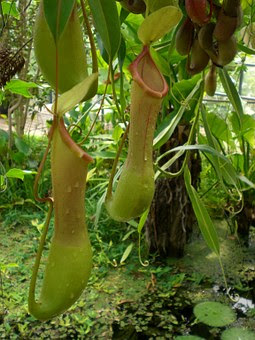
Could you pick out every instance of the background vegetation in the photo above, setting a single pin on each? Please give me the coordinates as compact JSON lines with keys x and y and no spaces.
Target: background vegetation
{"x":132,"y":293}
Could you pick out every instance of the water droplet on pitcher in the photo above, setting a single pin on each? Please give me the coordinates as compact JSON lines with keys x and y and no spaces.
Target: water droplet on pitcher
{"x":73,"y":231}
{"x":77,"y":184}
{"x":69,"y":188}
{"x":67,"y":211}
{"x":145,"y":158}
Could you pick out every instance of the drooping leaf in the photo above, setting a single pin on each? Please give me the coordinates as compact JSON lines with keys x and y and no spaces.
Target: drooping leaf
{"x":158,"y":23}
{"x":142,"y":221}
{"x":21,"y":87}
{"x":107,"y":23}
{"x":245,"y":49}
{"x":57,"y":13}
{"x":104,"y":155}
{"x":232,"y":93}
{"x":164,"y":134}
{"x":247,"y":181}
{"x":214,"y":314}
{"x":19,"y":173}
{"x":82,"y":91}
{"x":203,"y":218}
{"x":126,"y":252}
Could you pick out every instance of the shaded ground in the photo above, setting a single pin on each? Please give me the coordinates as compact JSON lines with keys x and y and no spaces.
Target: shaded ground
{"x":130,"y":301}
{"x":37,"y":126}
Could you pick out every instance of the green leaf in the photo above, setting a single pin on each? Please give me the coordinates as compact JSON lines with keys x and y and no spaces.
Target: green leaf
{"x":107,"y":23}
{"x":117,"y":132}
{"x":154,"y":5}
{"x":3,"y":183}
{"x":232,"y":93}
{"x":247,"y":181}
{"x":163,"y":136}
{"x":82,"y":91}
{"x":142,"y":221}
{"x":21,"y":87}
{"x":248,"y":129}
{"x":161,"y":62}
{"x":228,"y":172}
{"x":122,"y":53}
{"x":3,"y":138}
{"x":104,"y":155}
{"x":204,"y":221}
{"x":212,"y":143}
{"x":157,"y":24}
{"x":57,"y":11}
{"x":237,"y":333}
{"x":22,"y":146}
{"x":127,"y":253}
{"x":218,"y":126}
{"x":200,"y":147}
{"x":19,"y":173}
{"x":10,"y":8}
{"x":214,"y":314}
{"x":245,"y":49}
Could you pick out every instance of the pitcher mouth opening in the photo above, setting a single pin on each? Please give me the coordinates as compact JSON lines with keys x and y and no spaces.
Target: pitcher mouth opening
{"x":147,"y":75}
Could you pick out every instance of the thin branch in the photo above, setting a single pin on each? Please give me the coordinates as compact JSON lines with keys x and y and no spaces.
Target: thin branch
{"x":91,"y":39}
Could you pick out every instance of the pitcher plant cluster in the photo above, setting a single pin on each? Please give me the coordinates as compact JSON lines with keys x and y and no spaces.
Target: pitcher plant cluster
{"x":205,"y":34}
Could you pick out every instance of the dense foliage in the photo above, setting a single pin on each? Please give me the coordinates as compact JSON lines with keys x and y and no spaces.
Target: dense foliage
{"x":127,"y":297}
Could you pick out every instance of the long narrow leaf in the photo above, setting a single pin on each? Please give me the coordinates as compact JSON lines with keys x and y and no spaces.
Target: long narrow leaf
{"x":82,"y":91}
{"x":167,"y":132}
{"x":203,"y":218}
{"x":232,"y":93}
{"x":57,"y":14}
{"x":126,"y":253}
{"x":212,"y":143}
{"x":142,"y":221}
{"x":107,"y":23}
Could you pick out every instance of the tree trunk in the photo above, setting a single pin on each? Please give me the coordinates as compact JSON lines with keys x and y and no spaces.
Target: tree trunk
{"x":246,"y":218}
{"x":171,"y":215}
{"x":19,"y":115}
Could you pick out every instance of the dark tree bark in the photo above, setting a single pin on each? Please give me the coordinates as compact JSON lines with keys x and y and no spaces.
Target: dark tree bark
{"x":246,"y":218}
{"x":171,"y":216}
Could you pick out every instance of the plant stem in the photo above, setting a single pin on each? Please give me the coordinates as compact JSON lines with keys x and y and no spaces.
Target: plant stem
{"x":91,"y":38}
{"x":114,"y":93}
{"x":31,"y":296}
{"x":98,"y":111}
